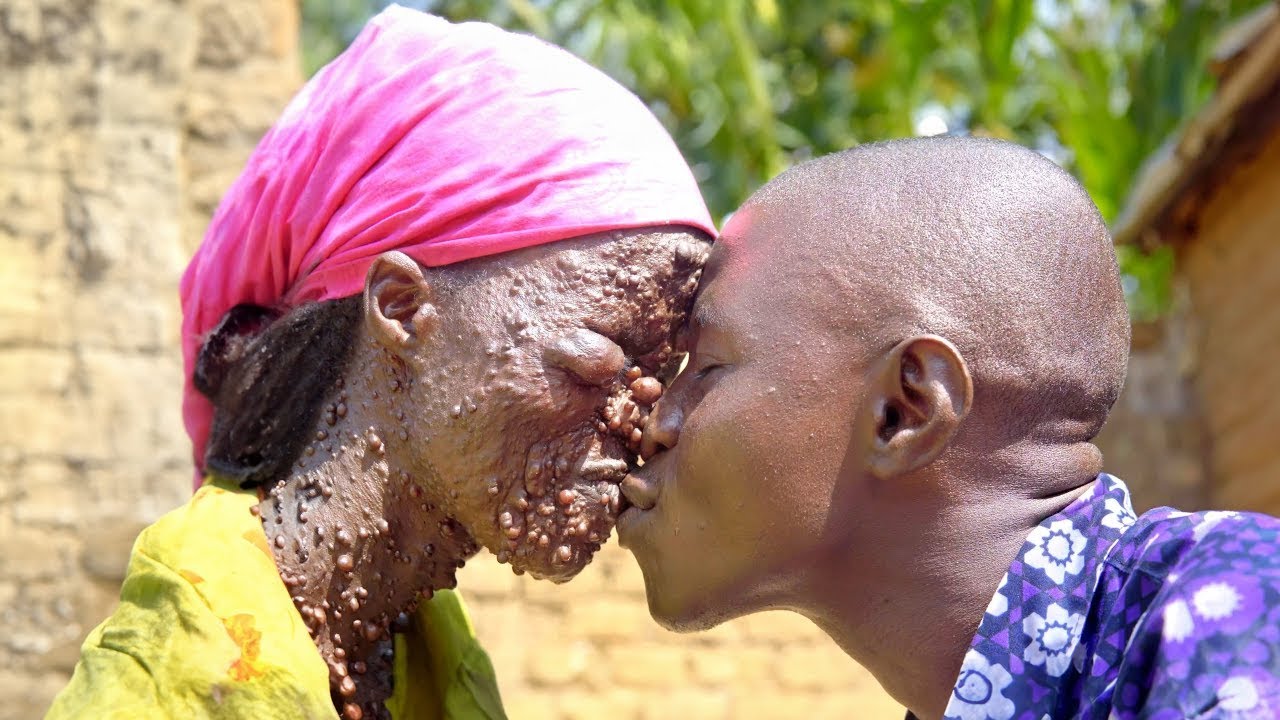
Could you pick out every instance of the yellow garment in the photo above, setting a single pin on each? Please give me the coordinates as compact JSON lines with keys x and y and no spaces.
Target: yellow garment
{"x":206,"y":629}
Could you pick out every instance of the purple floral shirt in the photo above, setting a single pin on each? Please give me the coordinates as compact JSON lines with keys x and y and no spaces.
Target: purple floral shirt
{"x":1106,"y":615}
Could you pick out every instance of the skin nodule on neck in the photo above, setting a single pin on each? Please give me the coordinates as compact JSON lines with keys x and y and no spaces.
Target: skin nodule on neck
{"x":359,"y":541}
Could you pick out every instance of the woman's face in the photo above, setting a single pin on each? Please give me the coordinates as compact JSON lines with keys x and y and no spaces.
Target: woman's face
{"x":528,"y":400}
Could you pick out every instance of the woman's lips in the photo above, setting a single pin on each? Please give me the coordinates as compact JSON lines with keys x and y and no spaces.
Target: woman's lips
{"x":604,"y":470}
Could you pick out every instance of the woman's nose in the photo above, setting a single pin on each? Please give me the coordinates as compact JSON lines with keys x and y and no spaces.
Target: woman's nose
{"x":662,"y":430}
{"x":590,"y":357}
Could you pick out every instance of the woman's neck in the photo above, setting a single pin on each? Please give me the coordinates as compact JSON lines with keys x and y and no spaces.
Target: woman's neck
{"x":358,"y":543}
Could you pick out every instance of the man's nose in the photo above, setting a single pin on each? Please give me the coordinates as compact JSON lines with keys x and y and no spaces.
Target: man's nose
{"x":662,"y":430}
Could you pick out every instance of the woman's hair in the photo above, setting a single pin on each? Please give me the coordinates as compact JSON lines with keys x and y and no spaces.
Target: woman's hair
{"x":267,"y":375}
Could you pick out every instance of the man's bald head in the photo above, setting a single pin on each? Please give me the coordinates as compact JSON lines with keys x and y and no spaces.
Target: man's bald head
{"x":985,"y":243}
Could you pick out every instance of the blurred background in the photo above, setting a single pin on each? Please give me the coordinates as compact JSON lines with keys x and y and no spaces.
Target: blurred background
{"x":123,"y":121}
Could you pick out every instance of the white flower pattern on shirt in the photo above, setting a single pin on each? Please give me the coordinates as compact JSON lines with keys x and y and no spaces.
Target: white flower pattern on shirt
{"x":1053,"y":638}
{"x":1238,"y":694}
{"x":1119,"y":515}
{"x":979,"y":692}
{"x":1209,"y":521}
{"x":1178,"y":623}
{"x":1057,"y":550}
{"x":1216,"y":601}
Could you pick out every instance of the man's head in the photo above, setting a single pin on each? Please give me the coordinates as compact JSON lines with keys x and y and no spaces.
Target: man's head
{"x":879,"y":332}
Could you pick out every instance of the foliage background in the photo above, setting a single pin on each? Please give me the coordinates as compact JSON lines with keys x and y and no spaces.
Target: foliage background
{"x":748,"y":87}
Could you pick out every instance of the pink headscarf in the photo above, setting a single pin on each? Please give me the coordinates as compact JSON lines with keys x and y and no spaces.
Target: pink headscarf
{"x":447,"y":142}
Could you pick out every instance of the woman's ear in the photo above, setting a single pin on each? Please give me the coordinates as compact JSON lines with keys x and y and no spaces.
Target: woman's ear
{"x":919,"y":394}
{"x":398,"y":307}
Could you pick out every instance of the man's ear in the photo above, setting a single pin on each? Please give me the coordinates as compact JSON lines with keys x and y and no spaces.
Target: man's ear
{"x":398,"y":307}
{"x":919,"y":394}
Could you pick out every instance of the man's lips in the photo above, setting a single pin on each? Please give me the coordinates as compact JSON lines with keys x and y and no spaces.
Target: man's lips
{"x":640,"y":491}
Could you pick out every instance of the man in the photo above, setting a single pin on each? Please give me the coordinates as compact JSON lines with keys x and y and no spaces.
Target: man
{"x":900,"y":355}
{"x":426,"y":319}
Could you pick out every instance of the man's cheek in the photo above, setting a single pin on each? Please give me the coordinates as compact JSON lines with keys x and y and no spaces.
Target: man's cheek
{"x":711,"y":461}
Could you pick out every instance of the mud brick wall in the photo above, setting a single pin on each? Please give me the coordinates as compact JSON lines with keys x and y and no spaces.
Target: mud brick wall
{"x":121,"y":123}
{"x":1231,"y":266}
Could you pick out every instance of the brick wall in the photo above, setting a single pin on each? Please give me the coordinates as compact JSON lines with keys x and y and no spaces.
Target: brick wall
{"x":1232,"y":267}
{"x":121,"y":121}
{"x":1154,"y":438}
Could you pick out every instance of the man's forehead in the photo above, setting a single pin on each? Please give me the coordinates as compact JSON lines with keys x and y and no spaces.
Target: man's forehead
{"x":747,"y":279}
{"x":709,"y":305}
{"x":763,"y":245}
{"x":782,"y":276}
{"x":709,"y":310}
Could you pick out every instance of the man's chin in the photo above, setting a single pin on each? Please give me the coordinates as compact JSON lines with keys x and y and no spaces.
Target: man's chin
{"x":678,"y":614}
{"x":670,"y":604}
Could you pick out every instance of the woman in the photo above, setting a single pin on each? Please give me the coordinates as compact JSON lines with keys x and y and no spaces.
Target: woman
{"x":430,"y":316}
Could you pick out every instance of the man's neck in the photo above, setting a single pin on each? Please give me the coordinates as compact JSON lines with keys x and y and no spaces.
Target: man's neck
{"x":358,"y":543}
{"x":907,"y":609}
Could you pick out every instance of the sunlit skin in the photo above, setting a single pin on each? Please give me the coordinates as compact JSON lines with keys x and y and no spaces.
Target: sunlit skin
{"x":898,"y":358}
{"x":496,"y":404}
